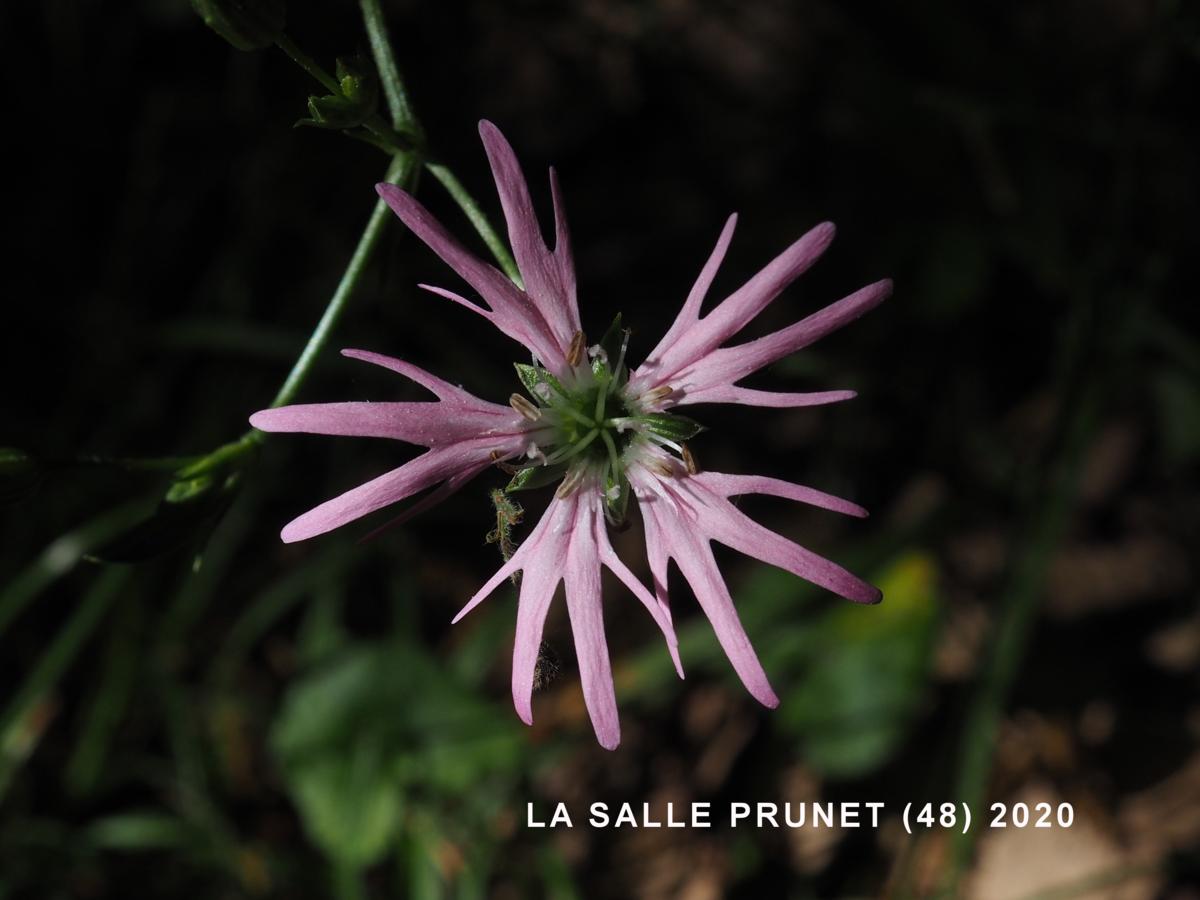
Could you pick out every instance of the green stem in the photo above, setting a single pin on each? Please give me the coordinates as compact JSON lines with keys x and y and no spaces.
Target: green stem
{"x":385,"y":137}
{"x":385,"y":61}
{"x":398,"y":172}
{"x":308,"y":64}
{"x":131,"y":464}
{"x":475,"y":215}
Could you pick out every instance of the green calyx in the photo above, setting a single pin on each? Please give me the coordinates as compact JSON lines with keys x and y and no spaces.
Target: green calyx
{"x":595,"y":425}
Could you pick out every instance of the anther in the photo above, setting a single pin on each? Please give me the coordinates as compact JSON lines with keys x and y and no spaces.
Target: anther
{"x":524,"y":407}
{"x":569,"y":483}
{"x":689,"y":460}
{"x":575,"y":353}
{"x":659,"y":393}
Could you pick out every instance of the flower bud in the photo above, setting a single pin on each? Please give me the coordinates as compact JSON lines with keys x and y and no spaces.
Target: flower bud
{"x":355,"y":102}
{"x":247,"y":24}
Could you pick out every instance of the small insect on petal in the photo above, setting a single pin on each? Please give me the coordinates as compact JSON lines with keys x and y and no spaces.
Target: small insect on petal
{"x":524,"y":407}
{"x":689,"y":460}
{"x":575,"y":352}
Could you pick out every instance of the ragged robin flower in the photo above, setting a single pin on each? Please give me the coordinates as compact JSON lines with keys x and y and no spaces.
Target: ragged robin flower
{"x":599,"y":430}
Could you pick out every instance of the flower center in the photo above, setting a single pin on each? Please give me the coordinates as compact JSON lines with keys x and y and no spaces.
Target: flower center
{"x":592,"y":424}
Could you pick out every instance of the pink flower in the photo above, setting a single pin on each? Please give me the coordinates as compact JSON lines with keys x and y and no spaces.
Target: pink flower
{"x":604,"y":432}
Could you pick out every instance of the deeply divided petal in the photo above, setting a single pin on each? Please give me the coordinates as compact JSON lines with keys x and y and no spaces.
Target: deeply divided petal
{"x":724,"y":522}
{"x":428,"y":469}
{"x":585,"y":607}
{"x":512,"y":311}
{"x":549,"y":276}
{"x":710,"y":377}
{"x":698,"y":338}
{"x":693,"y":555}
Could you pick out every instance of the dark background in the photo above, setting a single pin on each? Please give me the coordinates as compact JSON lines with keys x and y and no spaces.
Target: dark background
{"x":301,"y":720}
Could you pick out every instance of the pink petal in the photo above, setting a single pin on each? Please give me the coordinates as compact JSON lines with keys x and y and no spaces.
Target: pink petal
{"x":723,"y":367}
{"x":426,"y":470}
{"x":694,"y":557}
{"x":659,"y":611}
{"x":726,"y":393}
{"x":450,"y":486}
{"x":426,"y":424}
{"x":735,"y":485}
{"x":513,"y":312}
{"x":724,"y":522}
{"x":582,"y":577}
{"x":538,"y":584}
{"x":459,"y":299}
{"x":461,"y":400}
{"x":740,"y":307}
{"x":458,"y":416}
{"x":563,"y":256}
{"x":689,"y":314}
{"x":549,"y":284}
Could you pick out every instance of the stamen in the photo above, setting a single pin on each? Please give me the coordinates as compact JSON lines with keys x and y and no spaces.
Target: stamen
{"x":689,"y":460}
{"x":569,"y":483}
{"x":524,"y":407}
{"x":659,"y":393}
{"x":575,"y":353}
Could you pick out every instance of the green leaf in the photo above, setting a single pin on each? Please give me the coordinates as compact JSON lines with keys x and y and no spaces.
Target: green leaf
{"x":381,"y":728}
{"x":864,"y":673}
{"x":350,"y":804}
{"x":672,"y":427}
